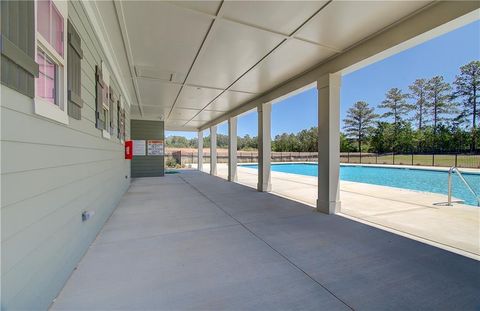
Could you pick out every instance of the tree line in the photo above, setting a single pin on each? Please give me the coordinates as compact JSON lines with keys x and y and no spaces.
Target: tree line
{"x":432,"y":116}
{"x":246,"y":142}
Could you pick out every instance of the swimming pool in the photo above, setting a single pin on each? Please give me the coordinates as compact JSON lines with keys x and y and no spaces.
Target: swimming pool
{"x":414,"y":179}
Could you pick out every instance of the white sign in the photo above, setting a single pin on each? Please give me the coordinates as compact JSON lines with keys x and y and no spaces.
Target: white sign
{"x":138,"y":147}
{"x":155,"y":147}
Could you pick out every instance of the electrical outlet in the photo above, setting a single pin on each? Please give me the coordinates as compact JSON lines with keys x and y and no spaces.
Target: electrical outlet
{"x":86,"y":215}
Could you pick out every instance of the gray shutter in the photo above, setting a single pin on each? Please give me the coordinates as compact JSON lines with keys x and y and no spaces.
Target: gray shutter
{"x":122,"y":134}
{"x":118,"y":119}
{"x":74,"y":73}
{"x":17,"y":45}
{"x":99,"y":114}
{"x":111,"y":108}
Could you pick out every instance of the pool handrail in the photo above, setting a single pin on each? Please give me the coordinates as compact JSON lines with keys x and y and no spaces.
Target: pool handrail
{"x":459,"y":174}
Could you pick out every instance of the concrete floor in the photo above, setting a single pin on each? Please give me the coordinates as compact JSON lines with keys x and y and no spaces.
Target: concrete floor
{"x":413,"y":214}
{"x":191,"y":241}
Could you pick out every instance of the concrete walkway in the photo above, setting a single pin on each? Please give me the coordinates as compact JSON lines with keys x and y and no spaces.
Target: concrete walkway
{"x":191,"y":241}
{"x":414,"y":214}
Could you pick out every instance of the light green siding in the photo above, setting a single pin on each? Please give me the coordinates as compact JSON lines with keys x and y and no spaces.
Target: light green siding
{"x":50,"y":173}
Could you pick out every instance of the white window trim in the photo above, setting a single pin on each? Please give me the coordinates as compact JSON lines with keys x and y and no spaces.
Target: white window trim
{"x":105,"y":134}
{"x":42,"y":107}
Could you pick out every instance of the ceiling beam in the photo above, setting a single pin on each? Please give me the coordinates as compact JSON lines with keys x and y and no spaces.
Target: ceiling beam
{"x":128,"y":49}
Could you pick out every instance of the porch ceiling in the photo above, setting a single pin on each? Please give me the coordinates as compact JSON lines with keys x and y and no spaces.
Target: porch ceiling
{"x":193,"y":61}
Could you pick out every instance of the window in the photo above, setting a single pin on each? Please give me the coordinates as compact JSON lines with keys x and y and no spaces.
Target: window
{"x":50,"y":86}
{"x":47,"y":78}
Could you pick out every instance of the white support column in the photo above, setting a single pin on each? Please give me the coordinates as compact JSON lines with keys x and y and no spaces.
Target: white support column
{"x":264,"y":146}
{"x":328,"y":143}
{"x":200,"y":151}
{"x":232,"y":149}
{"x":213,"y":150}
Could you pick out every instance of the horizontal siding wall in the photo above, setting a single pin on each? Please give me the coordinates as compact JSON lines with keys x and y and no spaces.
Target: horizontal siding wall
{"x":50,"y":173}
{"x":148,"y":166}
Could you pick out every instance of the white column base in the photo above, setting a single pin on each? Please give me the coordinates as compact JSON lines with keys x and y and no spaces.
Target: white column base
{"x":329,"y":208}
{"x":264,"y":187}
{"x":213,"y":150}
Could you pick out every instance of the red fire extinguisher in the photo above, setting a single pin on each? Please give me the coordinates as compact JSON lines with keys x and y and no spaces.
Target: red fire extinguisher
{"x":128,"y":149}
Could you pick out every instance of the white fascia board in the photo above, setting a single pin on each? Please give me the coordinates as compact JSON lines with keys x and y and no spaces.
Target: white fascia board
{"x":93,"y":15}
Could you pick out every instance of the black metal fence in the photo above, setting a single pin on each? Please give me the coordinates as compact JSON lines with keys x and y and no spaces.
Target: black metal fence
{"x":465,"y":160}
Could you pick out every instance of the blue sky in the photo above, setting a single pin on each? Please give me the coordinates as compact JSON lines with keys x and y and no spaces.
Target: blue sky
{"x":440,"y":56}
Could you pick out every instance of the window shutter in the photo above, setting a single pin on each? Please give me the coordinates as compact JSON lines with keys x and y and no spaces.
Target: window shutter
{"x":119,"y":119}
{"x":17,"y":45}
{"x":74,"y":73}
{"x":99,"y":114}
{"x":122,"y":133}
{"x":112,"y":111}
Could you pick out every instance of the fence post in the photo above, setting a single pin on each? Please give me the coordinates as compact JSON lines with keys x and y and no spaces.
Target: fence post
{"x":376,"y":158}
{"x":433,"y":158}
{"x":393,"y":153}
{"x":412,"y":158}
{"x":360,"y":156}
{"x":456,"y":163}
{"x":348,"y":156}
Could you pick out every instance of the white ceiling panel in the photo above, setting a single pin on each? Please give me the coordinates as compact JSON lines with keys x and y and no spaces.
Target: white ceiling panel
{"x":343,"y":23}
{"x":209,"y":7}
{"x":196,"y":123}
{"x":134,"y":111}
{"x":230,"y":100}
{"x":208,"y":115}
{"x":157,"y":93}
{"x":182,"y":114}
{"x":279,"y":16}
{"x":196,"y":97}
{"x":291,"y":59}
{"x":232,"y":50}
{"x":176,"y":45}
{"x":156,"y":111}
{"x":164,"y":36}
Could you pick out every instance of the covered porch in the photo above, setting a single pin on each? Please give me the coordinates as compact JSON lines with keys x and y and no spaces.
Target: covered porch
{"x":194,"y":241}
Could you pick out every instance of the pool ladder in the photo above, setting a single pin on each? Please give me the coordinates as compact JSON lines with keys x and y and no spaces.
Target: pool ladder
{"x":452,"y":170}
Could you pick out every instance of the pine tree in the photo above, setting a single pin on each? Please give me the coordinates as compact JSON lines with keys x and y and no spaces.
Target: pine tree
{"x":439,"y":102}
{"x":359,"y":121}
{"x":418,"y":92}
{"x":396,"y":105}
{"x":467,"y":87}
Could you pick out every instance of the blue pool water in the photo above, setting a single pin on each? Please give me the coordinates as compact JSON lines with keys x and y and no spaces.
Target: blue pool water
{"x":413,"y":179}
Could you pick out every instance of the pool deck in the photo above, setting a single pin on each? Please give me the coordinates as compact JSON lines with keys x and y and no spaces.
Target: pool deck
{"x":414,"y":214}
{"x":190,"y":241}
